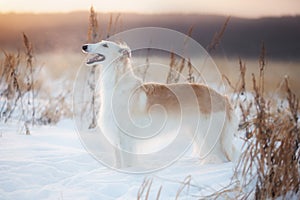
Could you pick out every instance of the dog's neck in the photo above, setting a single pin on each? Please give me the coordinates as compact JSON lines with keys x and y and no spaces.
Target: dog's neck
{"x":117,"y":80}
{"x":114,"y":72}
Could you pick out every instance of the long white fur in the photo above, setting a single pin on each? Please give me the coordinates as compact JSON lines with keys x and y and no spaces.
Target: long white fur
{"x":125,"y":118}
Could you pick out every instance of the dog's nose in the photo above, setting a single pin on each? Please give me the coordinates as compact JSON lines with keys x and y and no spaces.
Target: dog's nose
{"x":84,"y":47}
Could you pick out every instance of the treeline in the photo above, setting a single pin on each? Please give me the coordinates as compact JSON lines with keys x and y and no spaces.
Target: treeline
{"x":242,"y":38}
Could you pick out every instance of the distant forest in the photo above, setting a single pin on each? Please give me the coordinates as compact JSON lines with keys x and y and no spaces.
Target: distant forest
{"x":243,"y":37}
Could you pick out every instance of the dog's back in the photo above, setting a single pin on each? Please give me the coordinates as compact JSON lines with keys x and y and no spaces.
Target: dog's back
{"x":197,"y":96}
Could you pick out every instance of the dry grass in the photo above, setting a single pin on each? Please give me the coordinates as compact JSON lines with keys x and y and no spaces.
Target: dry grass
{"x":172,"y":70}
{"x":269,"y":167}
{"x":18,"y":85}
{"x":186,"y":184}
{"x":93,"y":36}
{"x":273,"y":150}
{"x":11,"y":90}
{"x":144,"y":190}
{"x":177,"y":66}
{"x":190,"y":77}
{"x":30,"y":76}
{"x":20,"y":90}
{"x":93,"y":29}
{"x":273,"y":80}
{"x":217,"y":37}
{"x":55,"y":108}
{"x":146,"y":187}
{"x":176,"y":69}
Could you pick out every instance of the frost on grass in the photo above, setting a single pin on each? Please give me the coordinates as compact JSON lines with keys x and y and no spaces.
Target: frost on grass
{"x":269,"y":167}
{"x":25,"y":96}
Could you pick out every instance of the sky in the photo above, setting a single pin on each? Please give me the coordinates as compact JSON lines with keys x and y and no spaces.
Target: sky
{"x":241,"y":8}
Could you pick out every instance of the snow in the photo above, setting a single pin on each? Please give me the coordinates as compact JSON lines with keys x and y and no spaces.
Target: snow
{"x":51,"y":163}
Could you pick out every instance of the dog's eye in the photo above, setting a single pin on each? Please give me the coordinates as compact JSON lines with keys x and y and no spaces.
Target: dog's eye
{"x":105,"y":45}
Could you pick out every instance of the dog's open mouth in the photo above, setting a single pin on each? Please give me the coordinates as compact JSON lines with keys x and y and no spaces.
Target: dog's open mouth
{"x":95,"y":58}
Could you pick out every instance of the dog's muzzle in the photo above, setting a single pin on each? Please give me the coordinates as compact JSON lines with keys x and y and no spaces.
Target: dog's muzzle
{"x":95,"y":57}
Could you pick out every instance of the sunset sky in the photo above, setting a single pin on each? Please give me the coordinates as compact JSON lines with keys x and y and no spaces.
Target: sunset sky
{"x":242,"y":8}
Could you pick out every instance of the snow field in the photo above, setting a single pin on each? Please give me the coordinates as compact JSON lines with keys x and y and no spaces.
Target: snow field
{"x":51,"y":163}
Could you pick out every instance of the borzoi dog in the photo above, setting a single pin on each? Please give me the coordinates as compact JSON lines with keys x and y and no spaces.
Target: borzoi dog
{"x":132,"y":111}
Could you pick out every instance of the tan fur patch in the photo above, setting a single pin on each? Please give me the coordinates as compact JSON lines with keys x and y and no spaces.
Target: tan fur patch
{"x":166,"y":95}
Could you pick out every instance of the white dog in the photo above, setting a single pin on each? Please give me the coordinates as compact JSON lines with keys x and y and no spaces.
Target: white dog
{"x":134,"y":113}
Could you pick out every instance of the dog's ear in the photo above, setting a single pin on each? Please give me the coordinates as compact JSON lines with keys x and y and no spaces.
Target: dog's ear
{"x":125,"y":51}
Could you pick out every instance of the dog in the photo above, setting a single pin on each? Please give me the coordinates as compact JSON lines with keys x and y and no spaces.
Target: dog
{"x":133,"y":113}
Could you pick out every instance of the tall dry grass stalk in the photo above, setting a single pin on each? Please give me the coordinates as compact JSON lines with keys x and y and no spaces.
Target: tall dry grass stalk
{"x":17,"y":83}
{"x":20,"y":85}
{"x":93,"y":29}
{"x":218,"y":37}
{"x":11,"y":90}
{"x":273,"y":149}
{"x":144,"y":190}
{"x":56,"y":108}
{"x":113,"y":25}
{"x":190,"y":77}
{"x":238,"y":88}
{"x":176,"y":67}
{"x":146,"y":187}
{"x":186,"y":184}
{"x":171,"y":75}
{"x":93,"y":37}
{"x":269,"y":168}
{"x":30,"y":76}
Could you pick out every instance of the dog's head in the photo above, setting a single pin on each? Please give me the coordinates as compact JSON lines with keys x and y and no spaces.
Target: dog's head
{"x":105,"y":51}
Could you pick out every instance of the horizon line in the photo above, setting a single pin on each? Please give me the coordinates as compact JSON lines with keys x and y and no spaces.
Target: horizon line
{"x":144,"y":13}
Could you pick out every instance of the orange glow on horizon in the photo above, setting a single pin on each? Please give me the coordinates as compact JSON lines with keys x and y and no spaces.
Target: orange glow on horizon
{"x":251,"y":9}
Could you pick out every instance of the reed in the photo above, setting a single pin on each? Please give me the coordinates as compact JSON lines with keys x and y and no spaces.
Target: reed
{"x":30,"y":77}
{"x":21,"y":91}
{"x":269,"y":167}
{"x":94,"y":36}
{"x":218,"y":37}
